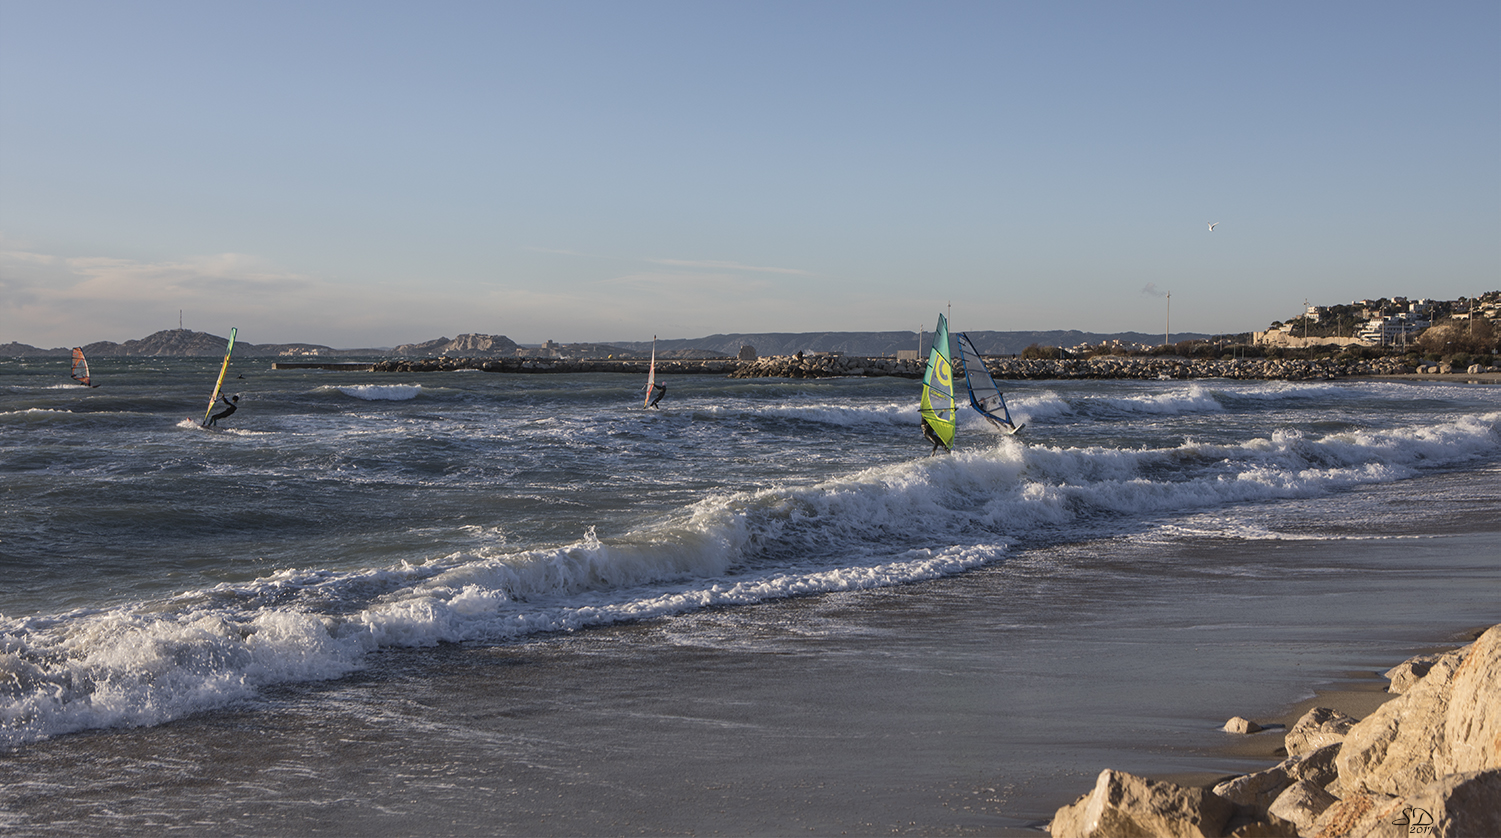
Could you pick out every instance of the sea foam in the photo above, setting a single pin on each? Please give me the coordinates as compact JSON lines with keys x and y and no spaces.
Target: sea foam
{"x":879,"y":526}
{"x":380,"y":392}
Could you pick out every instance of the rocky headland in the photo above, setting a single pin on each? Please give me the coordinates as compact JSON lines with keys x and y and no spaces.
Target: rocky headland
{"x":180,"y":343}
{"x":1427,"y":762}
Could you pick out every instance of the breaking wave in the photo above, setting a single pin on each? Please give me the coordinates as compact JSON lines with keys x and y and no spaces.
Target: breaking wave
{"x":881,"y":526}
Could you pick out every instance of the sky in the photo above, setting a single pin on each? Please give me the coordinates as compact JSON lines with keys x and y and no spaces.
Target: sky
{"x":365,"y":174}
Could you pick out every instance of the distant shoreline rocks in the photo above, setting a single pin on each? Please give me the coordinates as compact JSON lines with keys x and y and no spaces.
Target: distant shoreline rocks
{"x":556,"y":365}
{"x":841,"y":366}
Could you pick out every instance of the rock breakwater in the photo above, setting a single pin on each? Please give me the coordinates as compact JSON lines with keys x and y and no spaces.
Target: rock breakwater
{"x":557,"y":365}
{"x":1104,"y":366}
{"x":836,"y":366}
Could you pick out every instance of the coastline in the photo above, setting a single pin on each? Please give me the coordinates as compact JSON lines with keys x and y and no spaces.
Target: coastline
{"x":843,"y":366}
{"x":1357,"y":694}
{"x":1368,"y":754}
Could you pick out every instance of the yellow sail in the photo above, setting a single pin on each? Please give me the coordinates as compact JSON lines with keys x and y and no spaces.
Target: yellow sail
{"x":939,"y":409}
{"x":220,"y":383}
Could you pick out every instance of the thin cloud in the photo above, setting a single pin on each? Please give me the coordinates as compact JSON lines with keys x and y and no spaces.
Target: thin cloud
{"x":729,"y":266}
{"x":701,"y":264}
{"x":110,"y":278}
{"x":558,"y":252}
{"x":689,"y":285}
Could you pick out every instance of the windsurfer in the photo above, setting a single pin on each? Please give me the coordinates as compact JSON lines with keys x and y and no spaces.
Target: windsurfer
{"x":233,"y":406}
{"x":932,"y":436}
{"x":658,"y":391}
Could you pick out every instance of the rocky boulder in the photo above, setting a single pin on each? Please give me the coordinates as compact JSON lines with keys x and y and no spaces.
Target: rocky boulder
{"x":1123,"y":805}
{"x":1238,"y":724}
{"x":1318,"y":728}
{"x":1301,"y":803}
{"x":1392,"y":750}
{"x":1461,"y":804}
{"x":1472,"y":721}
{"x":1409,"y":672}
{"x":1260,"y":790}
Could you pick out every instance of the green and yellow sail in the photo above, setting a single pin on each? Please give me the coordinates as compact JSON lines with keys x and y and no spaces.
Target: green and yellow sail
{"x":939,"y":409}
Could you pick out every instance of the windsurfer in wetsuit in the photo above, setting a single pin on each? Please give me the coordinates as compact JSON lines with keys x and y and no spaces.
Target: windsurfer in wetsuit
{"x":932,"y":436}
{"x":659,"y":390}
{"x":223,"y":413}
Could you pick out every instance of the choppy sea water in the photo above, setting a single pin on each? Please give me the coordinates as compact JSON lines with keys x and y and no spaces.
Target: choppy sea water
{"x":349,"y":546}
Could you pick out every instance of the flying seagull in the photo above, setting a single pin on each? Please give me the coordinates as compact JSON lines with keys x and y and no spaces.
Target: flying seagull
{"x":1212,"y":225}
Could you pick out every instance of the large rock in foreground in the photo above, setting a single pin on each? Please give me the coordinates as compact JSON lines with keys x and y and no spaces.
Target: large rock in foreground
{"x":1427,"y":762}
{"x":1123,"y":805}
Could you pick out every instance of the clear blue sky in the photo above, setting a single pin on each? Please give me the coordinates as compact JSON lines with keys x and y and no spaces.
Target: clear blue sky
{"x":367,"y":173}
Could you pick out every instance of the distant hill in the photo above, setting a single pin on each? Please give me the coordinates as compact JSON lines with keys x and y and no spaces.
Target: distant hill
{"x":183,"y":343}
{"x":465,"y":346}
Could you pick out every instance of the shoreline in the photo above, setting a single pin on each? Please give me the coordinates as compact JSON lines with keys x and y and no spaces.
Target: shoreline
{"x":1356,"y":737}
{"x":842,"y":366}
{"x":1356,"y":694}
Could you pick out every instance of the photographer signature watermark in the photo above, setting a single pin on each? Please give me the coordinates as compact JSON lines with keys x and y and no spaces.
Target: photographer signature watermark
{"x":1417,"y":821}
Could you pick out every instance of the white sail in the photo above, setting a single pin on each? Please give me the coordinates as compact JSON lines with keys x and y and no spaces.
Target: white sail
{"x":651,"y":373}
{"x":984,"y":395}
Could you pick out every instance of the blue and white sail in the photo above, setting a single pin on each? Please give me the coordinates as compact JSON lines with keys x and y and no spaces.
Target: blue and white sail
{"x":984,"y":395}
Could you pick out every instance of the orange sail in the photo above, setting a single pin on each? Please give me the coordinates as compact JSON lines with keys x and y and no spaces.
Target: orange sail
{"x":80,"y":370}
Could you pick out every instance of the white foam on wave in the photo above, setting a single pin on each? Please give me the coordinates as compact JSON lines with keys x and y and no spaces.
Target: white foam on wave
{"x":1037,"y":407}
{"x":1285,"y":390}
{"x":380,"y":392}
{"x":881,"y":526}
{"x":34,"y":411}
{"x":842,"y":415}
{"x":1254,"y":531}
{"x":1195,"y":398}
{"x":1030,"y":406}
{"x":191,"y":424}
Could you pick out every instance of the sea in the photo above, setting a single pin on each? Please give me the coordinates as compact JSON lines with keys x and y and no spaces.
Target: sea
{"x":470,"y":603}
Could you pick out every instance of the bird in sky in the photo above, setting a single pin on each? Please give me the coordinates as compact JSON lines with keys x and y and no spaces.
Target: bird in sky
{"x":1212,"y":225}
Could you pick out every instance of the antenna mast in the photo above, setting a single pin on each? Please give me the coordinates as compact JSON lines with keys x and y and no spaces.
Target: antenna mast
{"x":1168,"y":328}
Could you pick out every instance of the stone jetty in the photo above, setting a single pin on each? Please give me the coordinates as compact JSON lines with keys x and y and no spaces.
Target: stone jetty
{"x":1427,"y":762}
{"x":838,"y":366}
{"x":716,"y":366}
